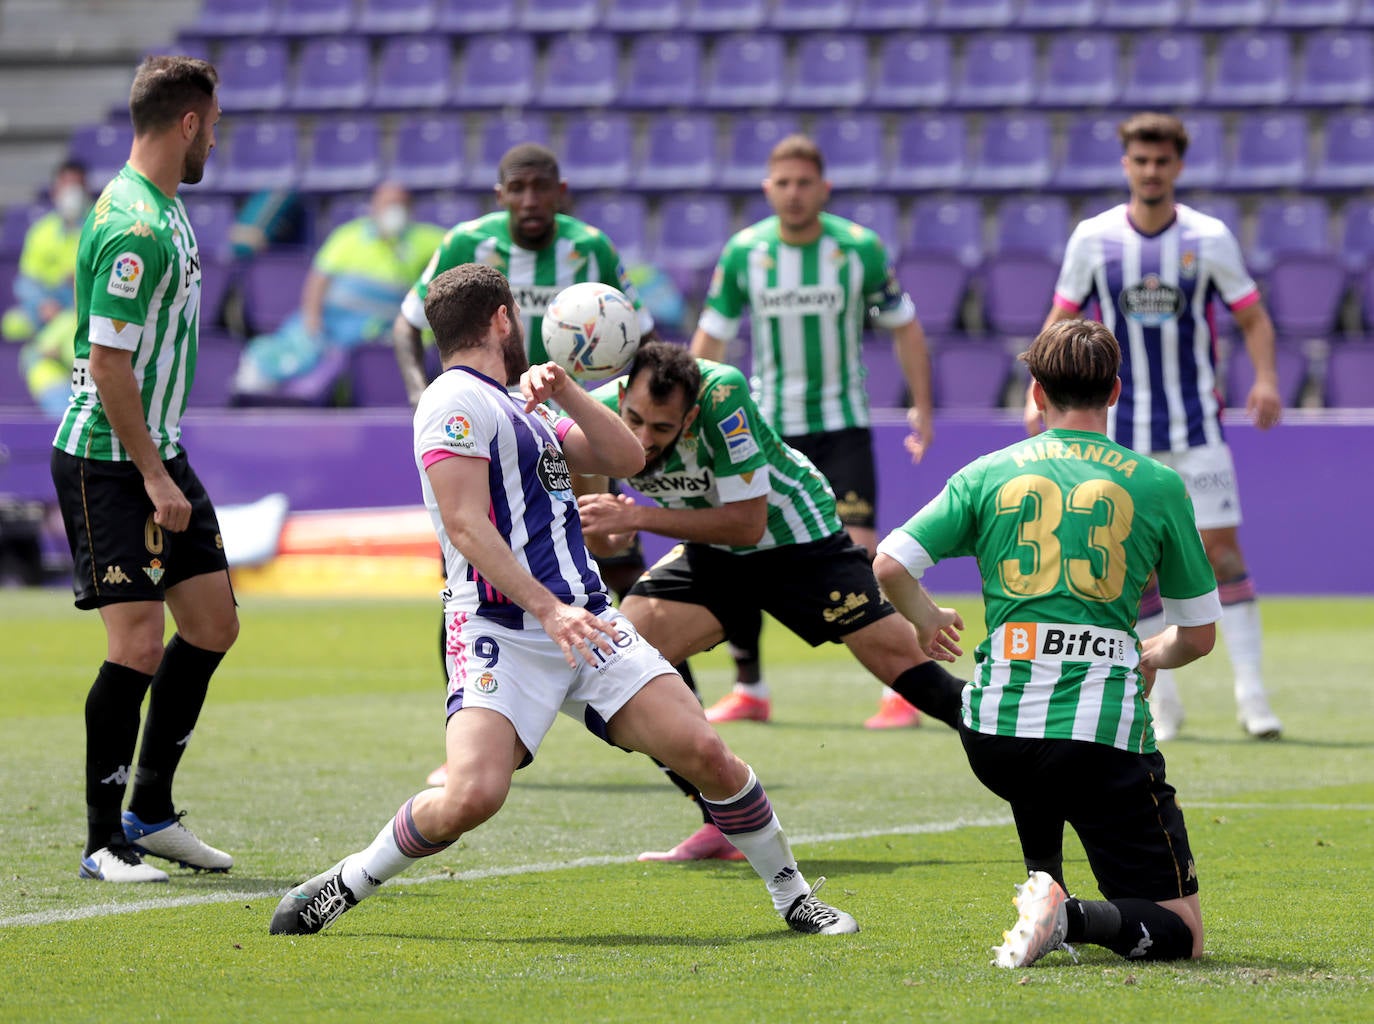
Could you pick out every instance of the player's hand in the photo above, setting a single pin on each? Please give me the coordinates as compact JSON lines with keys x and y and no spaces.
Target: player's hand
{"x":540,"y":383}
{"x":607,"y":514}
{"x":939,"y":635}
{"x":577,"y":631}
{"x":921,"y":436}
{"x":171,"y":510}
{"x":1030,"y":416}
{"x":1264,"y":405}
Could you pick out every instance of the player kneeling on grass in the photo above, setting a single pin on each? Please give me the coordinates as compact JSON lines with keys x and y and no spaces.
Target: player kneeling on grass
{"x":530,"y":627}
{"x":1067,"y":528}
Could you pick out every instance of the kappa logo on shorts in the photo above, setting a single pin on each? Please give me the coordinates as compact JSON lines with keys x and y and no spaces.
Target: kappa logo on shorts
{"x":114,"y":574}
{"x":485,"y":683}
{"x":155,"y":571}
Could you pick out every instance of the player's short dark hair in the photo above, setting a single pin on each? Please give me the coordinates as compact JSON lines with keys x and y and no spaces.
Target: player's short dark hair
{"x":460,"y":303}
{"x":797,"y":147}
{"x":1076,"y":362}
{"x":166,"y":88}
{"x":671,"y":368}
{"x":1153,"y":127}
{"x":528,"y":156}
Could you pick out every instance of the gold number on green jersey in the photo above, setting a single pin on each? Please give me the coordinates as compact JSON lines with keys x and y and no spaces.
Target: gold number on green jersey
{"x":1040,"y":506}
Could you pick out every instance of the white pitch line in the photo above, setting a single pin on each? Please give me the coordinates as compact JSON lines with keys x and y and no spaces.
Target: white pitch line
{"x":44,"y":917}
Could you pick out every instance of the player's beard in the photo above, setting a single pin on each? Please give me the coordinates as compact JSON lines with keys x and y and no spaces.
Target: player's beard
{"x":654,"y":463}
{"x":513,"y":352}
{"x":193,"y":167}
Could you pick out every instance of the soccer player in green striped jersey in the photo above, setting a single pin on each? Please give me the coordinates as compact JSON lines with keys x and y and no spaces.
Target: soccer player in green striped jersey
{"x":759,"y":533}
{"x":812,"y":282}
{"x":1067,"y":528}
{"x":143,"y":532}
{"x":539,"y":250}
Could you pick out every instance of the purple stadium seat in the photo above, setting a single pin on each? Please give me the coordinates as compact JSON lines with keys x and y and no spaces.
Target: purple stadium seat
{"x":580,"y":71}
{"x":883,"y":378}
{"x":1285,"y":227}
{"x":913,"y":70}
{"x":751,"y":140}
{"x":1224,"y":208}
{"x":1080,"y":70}
{"x":217,"y":359}
{"x":1015,"y":153}
{"x":664,"y":71}
{"x":798,"y":15}
{"x":1204,"y":159}
{"x":968,"y":374}
{"x":1165,"y":69}
{"x":382,"y":16}
{"x":1016,"y":293}
{"x":746,"y":71}
{"x":1347,"y":158}
{"x":1091,"y":206}
{"x":103,"y":148}
{"x":1057,"y":13}
{"x":212,"y":218}
{"x":15,"y":226}
{"x":948,"y":228}
{"x":1092,"y":155}
{"x":429,"y":152}
{"x":14,"y":391}
{"x":333,"y":73}
{"x":1350,"y":375}
{"x":976,"y":14}
{"x":1364,"y":14}
{"x":1226,"y":13}
{"x":446,"y":209}
{"x":1337,"y":67}
{"x":1270,"y":151}
{"x":931,"y":153}
{"x":1357,"y":235}
{"x":559,"y":15}
{"x":413,"y":71}
{"x":1141,"y":13}
{"x":755,"y":209}
{"x":1038,"y":226}
{"x":680,"y":152}
{"x":1312,"y":13}
{"x":1289,"y":360}
{"x":1304,"y":294}
{"x":345,"y":154}
{"x":937,"y":286}
{"x":498,"y":71}
{"x":643,"y":15}
{"x":262,"y":155}
{"x":499,"y":134}
{"x":885,"y":15}
{"x":253,"y":74}
{"x":314,"y":17}
{"x":375,"y":377}
{"x":272,"y":285}
{"x":829,"y":70}
{"x":997,"y":71}
{"x":1252,"y":68}
{"x":340,"y":211}
{"x":463,"y":17}
{"x":726,"y":15}
{"x":315,"y":388}
{"x":878,"y":212}
{"x":623,"y":218}
{"x":853,"y":148}
{"x":597,"y":150}
{"x":234,"y":18}
{"x":692,"y":231}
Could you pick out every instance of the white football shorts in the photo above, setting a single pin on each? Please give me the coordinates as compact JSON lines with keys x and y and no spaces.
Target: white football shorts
{"x":1210,"y":476}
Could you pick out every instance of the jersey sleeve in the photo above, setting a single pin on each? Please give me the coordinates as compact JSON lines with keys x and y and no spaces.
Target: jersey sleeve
{"x":726,"y":297}
{"x":1186,"y":581}
{"x":883,"y":293}
{"x":452,"y":421}
{"x":1227,"y":270}
{"x":729,"y":425}
{"x":125,"y":271}
{"x":608,"y":394}
{"x":457,"y":247}
{"x":1075,"y":283}
{"x":612,"y":272}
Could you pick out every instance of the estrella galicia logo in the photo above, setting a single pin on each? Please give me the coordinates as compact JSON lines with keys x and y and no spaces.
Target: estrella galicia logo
{"x":1152,"y":302}
{"x":554,"y":475}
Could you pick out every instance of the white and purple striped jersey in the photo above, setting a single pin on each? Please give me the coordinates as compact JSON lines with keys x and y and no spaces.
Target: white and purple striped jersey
{"x":465,"y":414}
{"x":1154,"y":293}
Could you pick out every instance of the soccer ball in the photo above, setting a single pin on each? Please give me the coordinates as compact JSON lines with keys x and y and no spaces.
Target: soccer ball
{"x":591,"y":330}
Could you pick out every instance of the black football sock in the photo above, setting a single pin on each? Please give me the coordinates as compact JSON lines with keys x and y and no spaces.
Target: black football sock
{"x":932,"y":690}
{"x":178,"y":693}
{"x":112,"y":715}
{"x":744,"y":648}
{"x":1133,"y":928}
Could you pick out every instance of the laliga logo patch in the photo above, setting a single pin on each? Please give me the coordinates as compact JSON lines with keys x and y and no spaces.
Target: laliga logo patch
{"x":125,"y":276}
{"x":486,"y":683}
{"x":458,"y":431}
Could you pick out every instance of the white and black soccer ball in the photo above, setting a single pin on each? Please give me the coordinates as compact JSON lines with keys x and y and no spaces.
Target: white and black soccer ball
{"x":591,"y":330}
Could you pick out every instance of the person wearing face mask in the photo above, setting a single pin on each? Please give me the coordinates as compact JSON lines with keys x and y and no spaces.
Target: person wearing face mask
{"x":358,"y":278}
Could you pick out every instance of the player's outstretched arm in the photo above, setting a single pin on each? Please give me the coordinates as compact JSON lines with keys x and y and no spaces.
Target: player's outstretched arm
{"x":938,"y":628}
{"x":410,"y":357}
{"x":705,"y":346}
{"x":1263,"y":403}
{"x":599,"y":443}
{"x":909,"y":340}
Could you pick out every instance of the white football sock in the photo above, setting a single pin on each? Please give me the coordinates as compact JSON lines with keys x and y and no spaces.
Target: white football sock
{"x":764,"y":845}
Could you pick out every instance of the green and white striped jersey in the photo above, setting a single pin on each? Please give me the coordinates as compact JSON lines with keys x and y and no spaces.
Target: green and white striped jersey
{"x":578,"y":252}
{"x":808,"y":306}
{"x":1067,"y":527}
{"x":137,"y":268}
{"x":730,"y":454}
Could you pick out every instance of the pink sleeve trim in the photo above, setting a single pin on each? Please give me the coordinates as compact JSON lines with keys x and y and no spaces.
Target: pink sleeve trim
{"x":439,"y":455}
{"x":562,"y":427}
{"x":1067,"y":304}
{"x":1249,"y":299}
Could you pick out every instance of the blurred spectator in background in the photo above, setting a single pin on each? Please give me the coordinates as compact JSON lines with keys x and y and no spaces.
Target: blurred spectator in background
{"x":275,"y":217}
{"x":359,"y":277}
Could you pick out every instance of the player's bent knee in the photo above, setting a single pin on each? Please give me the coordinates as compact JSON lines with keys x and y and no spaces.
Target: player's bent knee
{"x":462,"y":807}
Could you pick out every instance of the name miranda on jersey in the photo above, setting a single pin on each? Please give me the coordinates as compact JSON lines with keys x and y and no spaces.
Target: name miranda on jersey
{"x":1053,"y":448}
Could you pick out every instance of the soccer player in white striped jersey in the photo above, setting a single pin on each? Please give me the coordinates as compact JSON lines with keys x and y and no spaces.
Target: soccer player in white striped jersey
{"x":1153,"y":267}
{"x":1067,"y":528}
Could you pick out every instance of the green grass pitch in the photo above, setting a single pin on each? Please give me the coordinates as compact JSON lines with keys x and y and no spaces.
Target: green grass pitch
{"x":328,"y":715}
